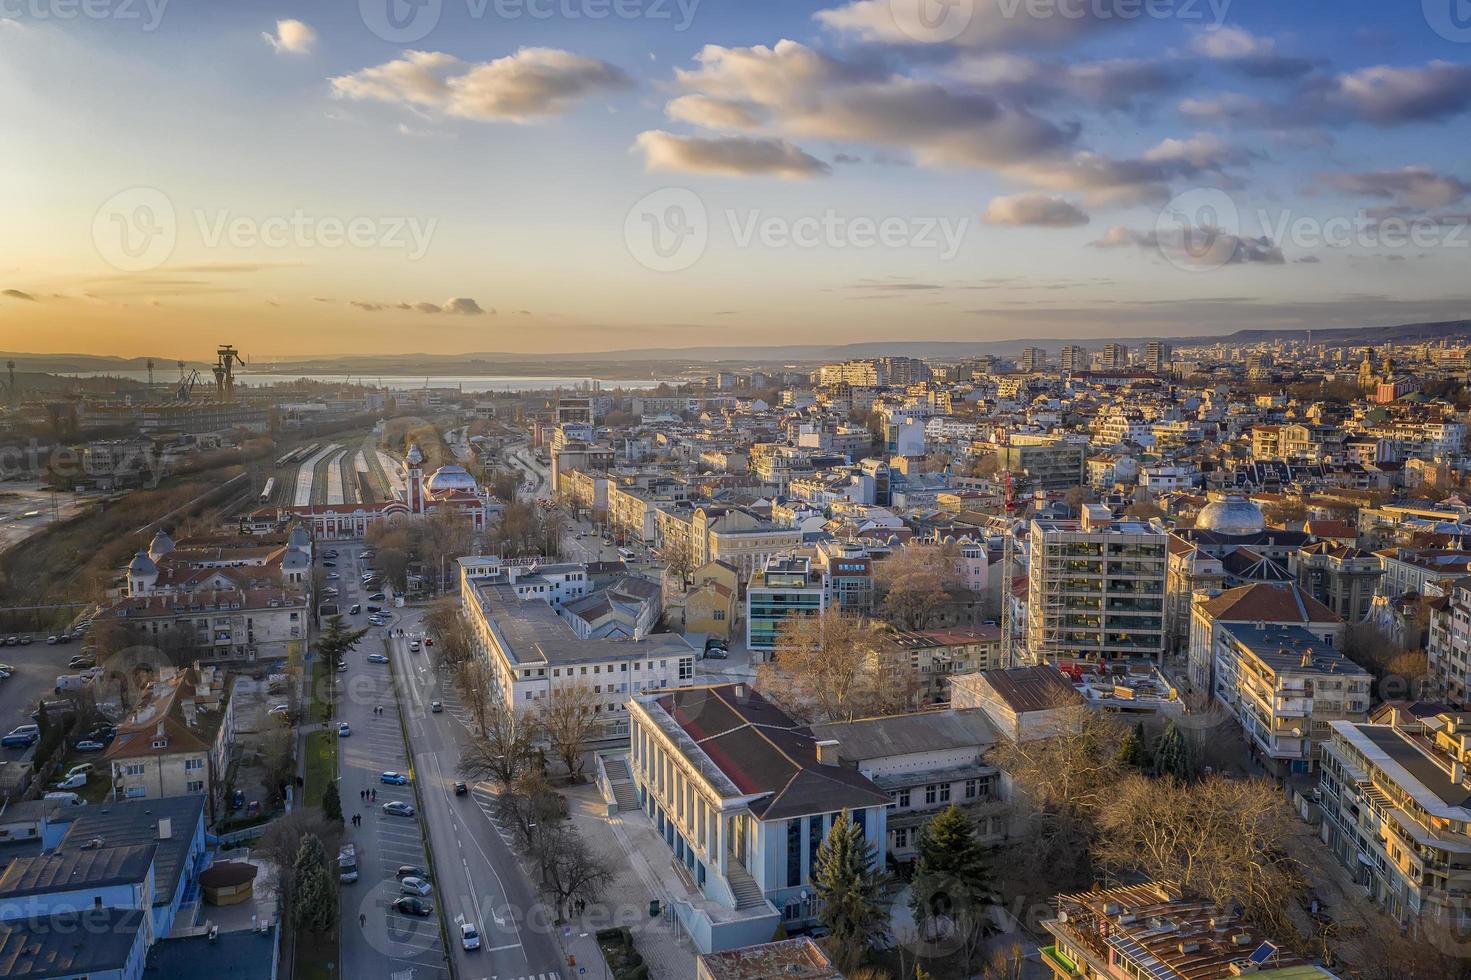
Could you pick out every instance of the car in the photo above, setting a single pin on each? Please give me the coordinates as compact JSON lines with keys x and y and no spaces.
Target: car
{"x":397,"y":809}
{"x":393,"y":778}
{"x":12,"y":641}
{"x":409,"y":905}
{"x":90,"y":745}
{"x":436,"y":707}
{"x":279,"y":709}
{"x":343,"y":729}
{"x":329,"y":564}
{"x":429,"y":641}
{"x":357,"y":607}
{"x":51,"y":641}
{"x":469,"y":936}
{"x":329,"y":554}
{"x":373,"y":609}
{"x":25,"y":640}
{"x":76,"y":662}
{"x":377,"y":597}
{"x":63,"y":638}
{"x":376,"y":658}
{"x":716,"y":653}
{"x":342,"y":666}
{"x":80,"y":769}
{"x":414,"y":886}
{"x":413,"y":871}
{"x":333,"y":577}
{"x":237,"y":799}
{"x":461,"y":789}
{"x":72,"y":782}
{"x":22,"y":735}
{"x":414,"y":645}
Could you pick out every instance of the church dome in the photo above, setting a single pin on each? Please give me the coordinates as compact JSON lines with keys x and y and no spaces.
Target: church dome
{"x":161,"y":545}
{"x":142,"y":565}
{"x":451,"y":477}
{"x":1231,"y":514}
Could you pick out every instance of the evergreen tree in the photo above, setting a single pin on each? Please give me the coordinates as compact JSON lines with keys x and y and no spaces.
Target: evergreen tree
{"x":1171,"y":754}
{"x":951,"y":879}
{"x":313,"y":896}
{"x":335,"y":643}
{"x":332,"y":802}
{"x":846,"y":880}
{"x":1134,"y":748}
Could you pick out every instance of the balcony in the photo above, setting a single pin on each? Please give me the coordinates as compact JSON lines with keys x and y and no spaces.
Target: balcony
{"x":1058,"y":961}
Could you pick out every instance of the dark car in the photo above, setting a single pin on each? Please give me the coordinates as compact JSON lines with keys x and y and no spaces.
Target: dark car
{"x":377,"y":597}
{"x":412,"y":871}
{"x":237,"y":800}
{"x":408,"y":905}
{"x":373,"y":609}
{"x":461,"y":789}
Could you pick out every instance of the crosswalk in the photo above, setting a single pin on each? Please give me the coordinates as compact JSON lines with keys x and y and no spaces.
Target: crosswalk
{"x":554,"y":975}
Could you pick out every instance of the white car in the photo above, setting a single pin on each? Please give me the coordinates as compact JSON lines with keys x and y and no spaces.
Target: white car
{"x":343,"y":730}
{"x":469,"y":936}
{"x":73,"y":782}
{"x":279,"y":709}
{"x":80,"y":769}
{"x":415,"y":886}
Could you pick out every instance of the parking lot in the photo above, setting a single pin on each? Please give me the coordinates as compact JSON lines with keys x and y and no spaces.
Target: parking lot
{"x":36,"y":669}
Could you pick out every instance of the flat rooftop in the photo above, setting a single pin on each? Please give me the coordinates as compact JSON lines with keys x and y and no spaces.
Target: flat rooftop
{"x":531,"y":634}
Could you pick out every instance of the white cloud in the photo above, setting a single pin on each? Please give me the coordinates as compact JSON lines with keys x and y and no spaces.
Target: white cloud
{"x":292,"y":37}
{"x":530,"y":84}
{"x":732,"y":156}
{"x":1409,"y":187}
{"x":458,"y":306}
{"x":983,"y":24}
{"x":1037,"y":210}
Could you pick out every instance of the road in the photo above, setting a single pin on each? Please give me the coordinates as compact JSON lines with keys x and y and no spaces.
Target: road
{"x":383,"y":943}
{"x":478,"y":877}
{"x":537,"y":475}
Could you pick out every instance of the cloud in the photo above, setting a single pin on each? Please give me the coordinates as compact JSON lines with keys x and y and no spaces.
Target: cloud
{"x":292,"y":37}
{"x":1227,"y":107}
{"x":1113,"y":84}
{"x":1106,"y":181}
{"x":1037,"y":210}
{"x":17,"y":294}
{"x":1198,"y":246}
{"x":712,"y":113}
{"x":459,"y":306}
{"x":734,"y":156}
{"x":532,"y":83}
{"x":1387,"y":96}
{"x":1249,"y":54}
{"x":982,"y":24}
{"x":1409,"y":187}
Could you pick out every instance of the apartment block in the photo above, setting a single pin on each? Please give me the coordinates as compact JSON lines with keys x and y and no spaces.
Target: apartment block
{"x":786,"y":586}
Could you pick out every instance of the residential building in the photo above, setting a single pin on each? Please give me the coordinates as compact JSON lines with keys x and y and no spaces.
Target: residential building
{"x":177,"y":741}
{"x":785,"y":586}
{"x":937,"y":655}
{"x":743,"y":796}
{"x":800,"y":959}
{"x":1258,"y":604}
{"x":1448,"y":646}
{"x":1341,"y":577}
{"x":1096,"y":589}
{"x":1285,"y":685}
{"x":1047,"y":466}
{"x":233,"y":624}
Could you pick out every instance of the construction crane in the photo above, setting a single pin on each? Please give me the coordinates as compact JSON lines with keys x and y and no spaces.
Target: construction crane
{"x":150,"y":374}
{"x":187,"y":383}
{"x":12,"y":393}
{"x":224,"y":372}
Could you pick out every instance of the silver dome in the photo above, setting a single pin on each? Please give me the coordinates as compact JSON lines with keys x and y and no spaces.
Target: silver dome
{"x":1231,"y":514}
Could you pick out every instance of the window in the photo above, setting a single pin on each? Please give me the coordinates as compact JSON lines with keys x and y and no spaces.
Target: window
{"x":929,"y":793}
{"x":794,"y":852}
{"x":901,"y":837}
{"x":686,"y":668}
{"x":904,"y":797}
{"x":972,"y":788}
{"x":944,"y":792}
{"x":195,"y":786}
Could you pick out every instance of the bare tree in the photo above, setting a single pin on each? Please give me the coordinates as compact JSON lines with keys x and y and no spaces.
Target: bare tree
{"x":916,"y":581}
{"x":570,"y":870}
{"x":837,"y":667}
{"x":569,"y":716}
{"x":505,"y":746}
{"x":529,"y":803}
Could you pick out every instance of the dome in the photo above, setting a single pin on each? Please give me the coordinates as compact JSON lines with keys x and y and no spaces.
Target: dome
{"x":415,"y":457}
{"x":161,"y":545}
{"x":451,"y":477}
{"x":1231,"y":514}
{"x":142,"y":565}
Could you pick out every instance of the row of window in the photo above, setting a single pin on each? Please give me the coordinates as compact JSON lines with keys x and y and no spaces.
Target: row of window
{"x":937,"y":794}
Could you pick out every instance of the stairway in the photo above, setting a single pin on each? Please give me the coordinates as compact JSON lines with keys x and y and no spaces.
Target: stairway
{"x":747,"y":893}
{"x":622,"y":784}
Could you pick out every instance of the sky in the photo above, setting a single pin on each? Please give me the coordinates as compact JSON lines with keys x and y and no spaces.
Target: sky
{"x":446,"y":176}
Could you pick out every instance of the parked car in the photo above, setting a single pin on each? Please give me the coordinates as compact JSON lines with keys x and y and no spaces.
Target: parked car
{"x":717,"y":653}
{"x":414,"y":886}
{"x":90,"y":745}
{"x":377,"y":597}
{"x":76,"y":662}
{"x":469,"y":936}
{"x":25,"y":640}
{"x":103,"y":733}
{"x":279,"y":709}
{"x":414,"y":906}
{"x":72,"y":782}
{"x":237,"y":799}
{"x":356,"y":608}
{"x":373,"y":609}
{"x":80,"y":769}
{"x":376,"y":658}
{"x":51,"y":641}
{"x":397,"y":809}
{"x":333,"y":577}
{"x":329,"y":564}
{"x":412,"y":871}
{"x":63,"y":637}
{"x":343,"y":729}
{"x":393,"y":778}
{"x":22,"y":735}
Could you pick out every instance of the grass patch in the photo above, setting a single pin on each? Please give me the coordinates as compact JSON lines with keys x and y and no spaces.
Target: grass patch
{"x":321,"y":765}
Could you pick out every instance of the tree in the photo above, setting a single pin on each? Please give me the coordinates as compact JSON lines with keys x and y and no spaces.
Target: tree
{"x":281,"y":841}
{"x":951,"y":886}
{"x":335,"y":643}
{"x":503,"y":748}
{"x":847,"y":881}
{"x":570,"y":870}
{"x":1006,"y":964}
{"x":279,"y":759}
{"x":315,"y":907}
{"x":1134,"y":749}
{"x":1172,"y":754}
{"x":837,"y":667}
{"x":916,"y":581}
{"x":332,"y":803}
{"x":529,"y":803}
{"x":568,"y":717}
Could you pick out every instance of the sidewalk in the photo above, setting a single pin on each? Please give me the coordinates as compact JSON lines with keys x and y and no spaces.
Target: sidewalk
{"x":660,"y":941}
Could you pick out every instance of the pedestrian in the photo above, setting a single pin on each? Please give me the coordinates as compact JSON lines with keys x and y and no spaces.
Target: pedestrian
{"x":375,"y":796}
{"x":363,"y":920}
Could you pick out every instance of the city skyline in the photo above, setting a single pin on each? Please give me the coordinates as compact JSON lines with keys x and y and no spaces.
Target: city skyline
{"x":318,"y":181}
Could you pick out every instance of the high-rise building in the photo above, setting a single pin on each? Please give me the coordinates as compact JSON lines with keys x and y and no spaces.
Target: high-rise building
{"x":1074,"y":359}
{"x":1033,"y":359}
{"x":1096,"y":589}
{"x":1115,"y":357}
{"x":1156,"y":356}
